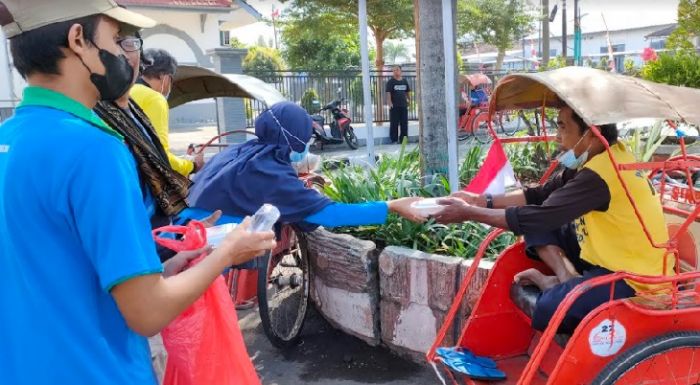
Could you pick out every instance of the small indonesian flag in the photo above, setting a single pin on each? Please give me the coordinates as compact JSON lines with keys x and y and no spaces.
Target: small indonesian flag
{"x":495,"y":174}
{"x":275,"y":12}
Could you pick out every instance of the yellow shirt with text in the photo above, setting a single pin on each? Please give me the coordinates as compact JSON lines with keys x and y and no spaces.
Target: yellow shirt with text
{"x":614,"y":239}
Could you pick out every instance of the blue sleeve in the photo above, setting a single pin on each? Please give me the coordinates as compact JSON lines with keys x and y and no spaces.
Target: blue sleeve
{"x":110,"y":215}
{"x":350,"y":214}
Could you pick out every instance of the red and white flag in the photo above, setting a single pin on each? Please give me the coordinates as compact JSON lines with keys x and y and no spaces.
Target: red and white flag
{"x":495,"y":174}
{"x":275,"y":13}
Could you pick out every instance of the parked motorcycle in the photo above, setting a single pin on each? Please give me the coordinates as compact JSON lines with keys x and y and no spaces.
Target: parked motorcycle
{"x":340,"y":126}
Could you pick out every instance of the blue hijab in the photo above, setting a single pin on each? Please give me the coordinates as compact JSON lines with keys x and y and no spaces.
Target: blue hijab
{"x":243,"y":177}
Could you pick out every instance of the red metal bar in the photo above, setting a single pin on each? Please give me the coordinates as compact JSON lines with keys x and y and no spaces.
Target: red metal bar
{"x":597,"y":133}
{"x":527,"y":139}
{"x":456,"y":303}
{"x":548,"y":335}
{"x":676,"y":164}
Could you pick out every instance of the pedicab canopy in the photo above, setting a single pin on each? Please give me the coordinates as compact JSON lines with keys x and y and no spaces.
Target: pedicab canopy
{"x":194,"y":83}
{"x":599,"y":97}
{"x":475,"y":80}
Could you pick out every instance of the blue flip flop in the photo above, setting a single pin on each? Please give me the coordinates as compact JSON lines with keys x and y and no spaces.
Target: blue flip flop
{"x":474,"y":371}
{"x":467,"y":356}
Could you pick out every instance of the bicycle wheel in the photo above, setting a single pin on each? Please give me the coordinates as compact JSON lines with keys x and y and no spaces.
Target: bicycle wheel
{"x":673,"y":358}
{"x":480,"y":128}
{"x":283,"y":290}
{"x":509,"y":122}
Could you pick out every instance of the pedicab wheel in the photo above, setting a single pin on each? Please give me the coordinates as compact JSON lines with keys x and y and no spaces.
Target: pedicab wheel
{"x":350,"y":138}
{"x":283,"y":293}
{"x":509,"y":122}
{"x":673,"y":358}
{"x":480,"y":128}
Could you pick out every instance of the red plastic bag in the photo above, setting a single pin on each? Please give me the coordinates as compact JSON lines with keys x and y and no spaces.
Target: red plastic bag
{"x":204,"y":344}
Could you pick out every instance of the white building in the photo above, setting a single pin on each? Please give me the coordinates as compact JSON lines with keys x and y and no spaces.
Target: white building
{"x":625,"y":43}
{"x":186,"y":29}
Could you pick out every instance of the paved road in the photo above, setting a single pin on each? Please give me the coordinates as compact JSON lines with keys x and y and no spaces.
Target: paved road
{"x":326,"y":356}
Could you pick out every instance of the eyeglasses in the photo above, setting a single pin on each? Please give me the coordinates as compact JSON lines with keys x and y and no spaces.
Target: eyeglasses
{"x":130,"y":44}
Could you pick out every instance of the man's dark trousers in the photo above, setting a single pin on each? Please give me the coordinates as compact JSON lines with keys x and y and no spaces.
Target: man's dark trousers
{"x":398,"y":116}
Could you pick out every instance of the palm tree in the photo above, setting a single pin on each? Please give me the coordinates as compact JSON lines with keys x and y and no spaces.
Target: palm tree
{"x":393,"y":51}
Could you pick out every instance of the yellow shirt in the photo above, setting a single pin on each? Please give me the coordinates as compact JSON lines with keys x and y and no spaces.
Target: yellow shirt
{"x":154,"y":104}
{"x":614,"y":239}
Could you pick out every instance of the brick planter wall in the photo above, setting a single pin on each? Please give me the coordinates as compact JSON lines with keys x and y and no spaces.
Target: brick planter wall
{"x":398,"y":298}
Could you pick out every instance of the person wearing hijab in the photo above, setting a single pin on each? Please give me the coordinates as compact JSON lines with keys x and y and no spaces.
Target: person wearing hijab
{"x":243,"y":177}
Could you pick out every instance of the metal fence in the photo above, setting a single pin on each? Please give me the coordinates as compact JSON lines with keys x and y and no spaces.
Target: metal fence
{"x":293,"y":85}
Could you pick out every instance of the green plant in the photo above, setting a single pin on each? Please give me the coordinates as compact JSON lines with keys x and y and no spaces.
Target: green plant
{"x":630,"y":68}
{"x":307,"y":100}
{"x":263,"y":62}
{"x":644,"y":143}
{"x":234,"y":42}
{"x":399,"y":176}
{"x":680,"y":68}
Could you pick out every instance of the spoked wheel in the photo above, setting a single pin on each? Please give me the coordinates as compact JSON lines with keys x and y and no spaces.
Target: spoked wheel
{"x":350,"y":137}
{"x":481,"y":129}
{"x":509,"y":122}
{"x":462,"y":131}
{"x":670,"y":359}
{"x":283,"y":293}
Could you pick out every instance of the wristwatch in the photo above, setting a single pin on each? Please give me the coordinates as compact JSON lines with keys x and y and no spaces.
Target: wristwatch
{"x":489,"y":200}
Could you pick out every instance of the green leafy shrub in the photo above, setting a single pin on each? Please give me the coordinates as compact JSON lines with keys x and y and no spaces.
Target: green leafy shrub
{"x":680,"y":68}
{"x":307,"y":100}
{"x":263,"y":62}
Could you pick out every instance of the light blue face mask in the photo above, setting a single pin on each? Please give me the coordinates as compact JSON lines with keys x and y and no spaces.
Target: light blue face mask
{"x":294,"y":156}
{"x":297,"y":157}
{"x":569,"y":159}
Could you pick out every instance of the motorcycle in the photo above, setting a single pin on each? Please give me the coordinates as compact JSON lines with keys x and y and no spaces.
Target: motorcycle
{"x":340,"y":126}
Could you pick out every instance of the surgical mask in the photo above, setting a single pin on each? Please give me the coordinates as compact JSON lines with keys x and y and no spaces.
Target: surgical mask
{"x":170,"y":89}
{"x":569,"y":159}
{"x":297,"y":157}
{"x":294,"y":156}
{"x":117,"y":78}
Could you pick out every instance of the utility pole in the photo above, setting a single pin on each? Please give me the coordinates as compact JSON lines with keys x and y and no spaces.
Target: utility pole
{"x":544,"y":39}
{"x":577,"y":34}
{"x":563,"y":31}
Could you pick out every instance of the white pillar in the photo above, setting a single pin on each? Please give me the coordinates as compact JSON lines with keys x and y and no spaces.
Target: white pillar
{"x":366,"y":93}
{"x":450,"y":93}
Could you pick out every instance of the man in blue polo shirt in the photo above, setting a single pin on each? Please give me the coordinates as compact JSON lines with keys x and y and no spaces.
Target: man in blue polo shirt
{"x":82,"y":283}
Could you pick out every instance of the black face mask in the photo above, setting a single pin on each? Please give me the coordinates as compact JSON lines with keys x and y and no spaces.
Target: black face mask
{"x":117,"y":78}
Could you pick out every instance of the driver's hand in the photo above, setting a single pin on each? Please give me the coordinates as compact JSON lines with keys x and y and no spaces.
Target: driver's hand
{"x":470,"y":198}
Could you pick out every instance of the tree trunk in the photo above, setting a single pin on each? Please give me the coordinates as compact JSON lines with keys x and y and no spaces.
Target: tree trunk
{"x":379,"y":37}
{"x":431,"y":86}
{"x":499,"y":58}
{"x":545,"y":33}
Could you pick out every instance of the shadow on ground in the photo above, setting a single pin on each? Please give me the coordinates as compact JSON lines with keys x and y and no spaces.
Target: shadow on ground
{"x":327,"y":356}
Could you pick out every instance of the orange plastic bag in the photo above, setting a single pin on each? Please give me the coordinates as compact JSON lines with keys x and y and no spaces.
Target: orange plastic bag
{"x":204,"y":344}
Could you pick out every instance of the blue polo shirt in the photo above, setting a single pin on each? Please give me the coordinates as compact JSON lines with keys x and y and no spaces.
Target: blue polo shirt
{"x":72,"y":226}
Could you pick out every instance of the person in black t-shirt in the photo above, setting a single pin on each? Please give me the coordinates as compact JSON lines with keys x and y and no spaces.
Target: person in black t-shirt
{"x":398,"y":96}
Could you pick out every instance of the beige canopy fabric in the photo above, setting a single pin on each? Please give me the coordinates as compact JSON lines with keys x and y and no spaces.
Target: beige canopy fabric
{"x":475,"y":79}
{"x":599,"y":97}
{"x":194,"y":83}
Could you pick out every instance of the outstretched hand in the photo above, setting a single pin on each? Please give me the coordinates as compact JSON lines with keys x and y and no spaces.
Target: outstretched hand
{"x":403,"y":207}
{"x":455,"y":210}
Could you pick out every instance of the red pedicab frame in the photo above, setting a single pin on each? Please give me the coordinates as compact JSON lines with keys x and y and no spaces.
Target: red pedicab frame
{"x":652,"y":338}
